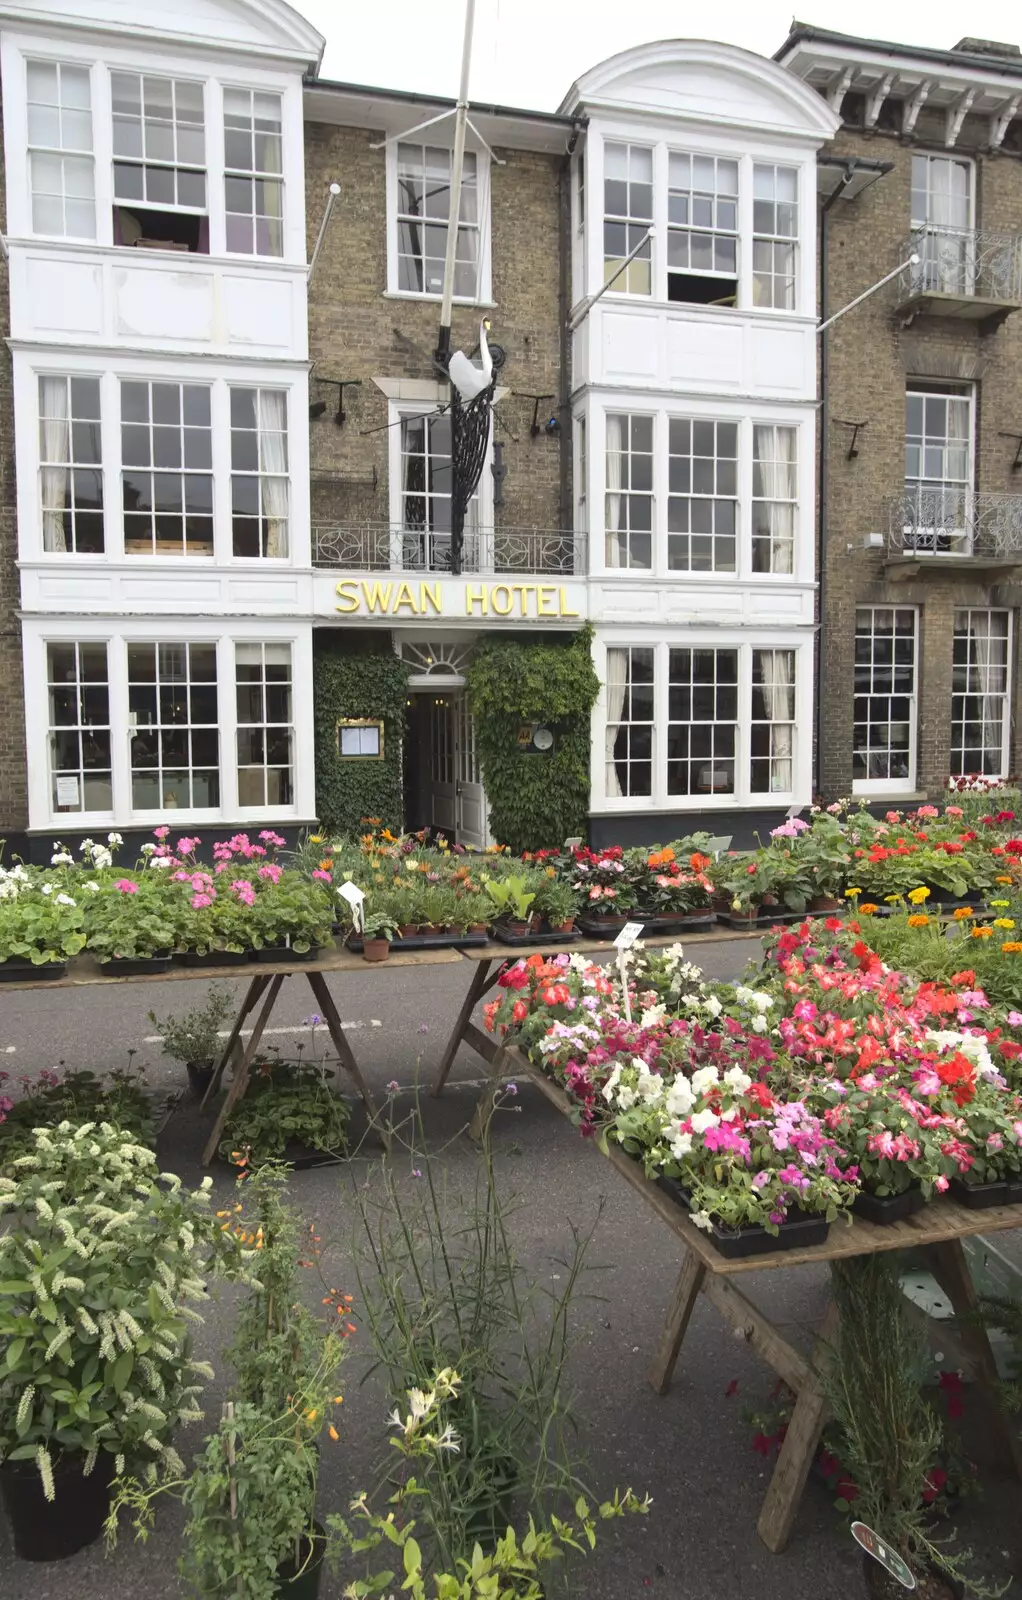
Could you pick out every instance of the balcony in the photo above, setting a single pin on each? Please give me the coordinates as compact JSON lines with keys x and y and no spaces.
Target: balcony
{"x":946,"y":529}
{"x":963,"y":273}
{"x":488,"y":552}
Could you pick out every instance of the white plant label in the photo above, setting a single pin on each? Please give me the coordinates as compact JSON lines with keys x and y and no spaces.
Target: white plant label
{"x":573,"y":843}
{"x":353,"y":894}
{"x":719,"y":846}
{"x":628,"y":935}
{"x":881,"y":1551}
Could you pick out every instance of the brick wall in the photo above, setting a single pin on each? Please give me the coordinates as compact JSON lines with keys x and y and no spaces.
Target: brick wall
{"x":355,"y":331}
{"x":869,"y":358}
{"x":13,"y":775}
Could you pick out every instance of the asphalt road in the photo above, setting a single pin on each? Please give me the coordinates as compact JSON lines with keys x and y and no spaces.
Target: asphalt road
{"x":691,"y":1450}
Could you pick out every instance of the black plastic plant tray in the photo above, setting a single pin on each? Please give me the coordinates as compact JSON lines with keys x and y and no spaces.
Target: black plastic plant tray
{"x":684,"y":920}
{"x":980,"y":1196}
{"x":796,"y":1233}
{"x":430,"y":941}
{"x":504,"y":936}
{"x":888,"y":1208}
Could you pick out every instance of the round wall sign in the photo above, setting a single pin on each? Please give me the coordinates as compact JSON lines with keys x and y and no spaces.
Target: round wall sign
{"x":543,"y":739}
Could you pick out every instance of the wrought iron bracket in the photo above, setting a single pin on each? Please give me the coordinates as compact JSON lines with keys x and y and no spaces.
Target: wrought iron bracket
{"x":470,"y":435}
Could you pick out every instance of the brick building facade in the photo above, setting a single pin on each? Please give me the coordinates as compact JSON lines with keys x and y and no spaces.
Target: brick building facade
{"x":920,"y":530}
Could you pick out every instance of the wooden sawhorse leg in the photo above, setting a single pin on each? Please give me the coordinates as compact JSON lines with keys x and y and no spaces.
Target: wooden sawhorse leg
{"x":686,"y":1293}
{"x":801,"y":1442}
{"x":476,"y":989}
{"x":239,"y":1082}
{"x":252,"y":995}
{"x":321,"y":991}
{"x":947,"y":1261}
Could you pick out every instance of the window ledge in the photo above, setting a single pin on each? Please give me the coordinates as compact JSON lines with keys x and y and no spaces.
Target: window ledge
{"x":879,"y":797}
{"x":435,"y":299}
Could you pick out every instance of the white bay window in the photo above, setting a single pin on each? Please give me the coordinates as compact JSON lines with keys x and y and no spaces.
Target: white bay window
{"x":61,"y":172}
{"x":694,"y":723}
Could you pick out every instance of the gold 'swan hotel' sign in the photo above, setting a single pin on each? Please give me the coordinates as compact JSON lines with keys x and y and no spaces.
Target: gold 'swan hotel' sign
{"x":396,"y":598}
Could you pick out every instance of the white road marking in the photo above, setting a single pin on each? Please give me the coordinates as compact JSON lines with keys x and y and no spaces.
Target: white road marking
{"x":298,"y":1027}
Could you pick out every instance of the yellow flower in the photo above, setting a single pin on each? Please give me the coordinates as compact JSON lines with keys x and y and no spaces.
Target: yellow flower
{"x":851,"y":893}
{"x":892,"y":899}
{"x":1000,"y":904}
{"x":1004,"y":922}
{"x":315,"y":838}
{"x":917,"y":896}
{"x":961,"y":912}
{"x":920,"y":920}
{"x":333,"y":1433}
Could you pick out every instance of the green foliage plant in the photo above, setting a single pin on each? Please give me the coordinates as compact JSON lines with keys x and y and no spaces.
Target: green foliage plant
{"x":195,"y":1035}
{"x":511,"y":897}
{"x":536,"y":800}
{"x":889,"y":1435}
{"x":441,"y":1288}
{"x":41,"y":926}
{"x":77,"y":1097}
{"x":358,"y":684}
{"x":287,"y":1102}
{"x":136,"y":923}
{"x":509,"y":1571}
{"x":101,"y":1260}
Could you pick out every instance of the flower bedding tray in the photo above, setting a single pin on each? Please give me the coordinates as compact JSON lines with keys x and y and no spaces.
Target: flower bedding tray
{"x":432,"y":941}
{"x":548,"y":936}
{"x":689,"y":922}
{"x":734,"y":1243}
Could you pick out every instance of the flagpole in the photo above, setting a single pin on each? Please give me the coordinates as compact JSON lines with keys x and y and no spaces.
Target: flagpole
{"x":443,"y":350}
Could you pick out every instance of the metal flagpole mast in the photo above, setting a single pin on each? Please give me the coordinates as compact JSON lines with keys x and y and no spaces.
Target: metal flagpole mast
{"x":443,"y":350}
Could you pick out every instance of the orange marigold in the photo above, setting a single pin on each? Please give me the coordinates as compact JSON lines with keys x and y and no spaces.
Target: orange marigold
{"x":961,"y":912}
{"x":869,"y":908}
{"x":1012,"y":947}
{"x":918,"y":921}
{"x":982,"y":933}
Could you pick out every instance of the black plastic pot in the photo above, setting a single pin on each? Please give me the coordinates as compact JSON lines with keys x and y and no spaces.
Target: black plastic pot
{"x":137,"y":966}
{"x":217,"y":958}
{"x":304,"y":1586}
{"x":283,"y":952}
{"x":881,"y":1586}
{"x":200,"y":1076}
{"x":980,"y":1196}
{"x":13,"y":971}
{"x":887,"y":1208}
{"x":52,"y":1530}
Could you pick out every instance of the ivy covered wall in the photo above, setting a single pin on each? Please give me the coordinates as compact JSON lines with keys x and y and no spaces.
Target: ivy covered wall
{"x":357,"y":678}
{"x":537,"y":800}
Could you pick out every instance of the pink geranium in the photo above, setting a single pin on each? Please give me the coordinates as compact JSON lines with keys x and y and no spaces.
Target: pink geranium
{"x":126,"y":886}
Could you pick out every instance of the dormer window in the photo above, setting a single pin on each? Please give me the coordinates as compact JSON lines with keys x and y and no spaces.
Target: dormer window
{"x":159,"y":163}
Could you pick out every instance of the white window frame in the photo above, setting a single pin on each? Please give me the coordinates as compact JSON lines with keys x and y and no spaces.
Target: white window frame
{"x":692,"y":496}
{"x":743,"y":798}
{"x":622,"y":284}
{"x":183,"y":471}
{"x":484,"y":288}
{"x":605,"y":404}
{"x":145,"y":814}
{"x":70,"y":465}
{"x":629,"y":414}
{"x":265,"y":726}
{"x":478,"y":526}
{"x":946,"y":266}
{"x":255,"y":175}
{"x":892,"y":786}
{"x":260,"y":474}
{"x":773,"y":237}
{"x":1006,"y":697}
{"x":144,"y":161}
{"x":39,"y":631}
{"x":62,"y":152}
{"x":949,"y":532}
{"x":711,"y":230}
{"x":221,"y":376}
{"x":77,"y":728}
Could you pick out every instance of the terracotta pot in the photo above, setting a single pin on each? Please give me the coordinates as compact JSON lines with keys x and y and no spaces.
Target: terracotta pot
{"x":408,"y":930}
{"x":563,"y":927}
{"x":375,"y":949}
{"x":824,"y":902}
{"x":477,"y":927}
{"x":519,"y":929}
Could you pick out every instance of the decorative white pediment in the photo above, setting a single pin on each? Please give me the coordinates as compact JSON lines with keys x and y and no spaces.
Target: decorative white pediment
{"x":699,"y":81}
{"x":269,"y":28}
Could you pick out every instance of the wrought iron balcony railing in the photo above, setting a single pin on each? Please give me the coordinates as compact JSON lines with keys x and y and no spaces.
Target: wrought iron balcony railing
{"x":956,"y":522}
{"x":390,"y":547}
{"x":966,"y":263}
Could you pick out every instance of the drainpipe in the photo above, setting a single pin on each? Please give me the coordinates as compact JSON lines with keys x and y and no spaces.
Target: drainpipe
{"x":567,"y":510}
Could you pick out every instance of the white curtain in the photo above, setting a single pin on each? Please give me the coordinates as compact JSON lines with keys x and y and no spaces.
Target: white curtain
{"x":55,"y":446}
{"x":615,"y":539}
{"x":273,"y":468}
{"x":989,"y":654}
{"x":946,"y":253}
{"x":775,"y":486}
{"x":617,"y":683}
{"x":779,"y":695}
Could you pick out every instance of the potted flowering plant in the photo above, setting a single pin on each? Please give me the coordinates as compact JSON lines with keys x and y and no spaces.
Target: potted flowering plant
{"x":823,"y":853}
{"x":557,"y":902}
{"x":379,"y":929}
{"x":291,"y":916}
{"x":512,"y":900}
{"x":39,"y":929}
{"x":131,"y":924}
{"x":194,"y":1036}
{"x":898,"y":1161}
{"x":98,"y":1261}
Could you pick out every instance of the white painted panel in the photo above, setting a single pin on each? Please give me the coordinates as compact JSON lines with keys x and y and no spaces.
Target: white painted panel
{"x":629,"y":345}
{"x":716,"y":93}
{"x":692,"y":605}
{"x":638,"y":601}
{"x":280,"y":593}
{"x":67,"y":588}
{"x":777,"y":603}
{"x":705,"y":353}
{"x":163,"y":305}
{"x":777,"y":360}
{"x":254,"y":312}
{"x":64,"y":296}
{"x":183,"y":591}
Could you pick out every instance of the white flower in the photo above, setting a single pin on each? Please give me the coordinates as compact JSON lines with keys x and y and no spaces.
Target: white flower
{"x":578,"y":963}
{"x":114,"y":838}
{"x":701,"y":1120}
{"x":760,"y":1024}
{"x":737,"y":1080}
{"x":62,"y":858}
{"x":729,"y":1115}
{"x":92,"y":885}
{"x":649,"y":1086}
{"x":161,"y":861}
{"x":626,"y":1097}
{"x":652,"y":1016}
{"x":47,"y":888}
{"x":612,"y":1083}
{"x":64,"y":900}
{"x":702,"y":1220}
{"x":148,"y":849}
{"x":704,"y":1078}
{"x":679,"y":1100}
{"x":681,"y":1145}
{"x":713,"y":1006}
